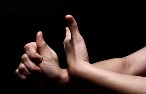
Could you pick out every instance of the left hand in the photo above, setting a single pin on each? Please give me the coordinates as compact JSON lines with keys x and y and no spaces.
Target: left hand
{"x":39,"y":57}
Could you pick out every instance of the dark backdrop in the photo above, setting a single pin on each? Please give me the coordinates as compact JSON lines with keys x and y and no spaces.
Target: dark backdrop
{"x":110,"y":29}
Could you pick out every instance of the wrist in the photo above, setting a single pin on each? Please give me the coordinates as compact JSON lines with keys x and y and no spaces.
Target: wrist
{"x":64,"y":77}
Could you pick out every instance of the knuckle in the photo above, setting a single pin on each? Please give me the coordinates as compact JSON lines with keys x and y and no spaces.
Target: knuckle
{"x":43,"y":44}
{"x":55,"y":59}
{"x":33,"y":43}
{"x":74,"y":25}
{"x":24,"y":57}
{"x":20,"y":75}
{"x":17,"y":72}
{"x":21,"y":67}
{"x":26,"y":46}
{"x":33,"y":69}
{"x":23,"y":77}
{"x":33,"y":55}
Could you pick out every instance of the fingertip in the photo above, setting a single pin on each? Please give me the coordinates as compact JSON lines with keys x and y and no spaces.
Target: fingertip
{"x":66,"y":29}
{"x":16,"y":72}
{"x":68,"y":16}
{"x":68,"y":34}
{"x":39,"y":38}
{"x":71,"y":23}
{"x":39,"y":33}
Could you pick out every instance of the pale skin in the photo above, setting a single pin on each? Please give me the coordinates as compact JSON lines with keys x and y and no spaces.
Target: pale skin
{"x":124,"y":75}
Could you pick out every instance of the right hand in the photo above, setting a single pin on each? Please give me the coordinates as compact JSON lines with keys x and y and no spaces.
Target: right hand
{"x":75,"y":48}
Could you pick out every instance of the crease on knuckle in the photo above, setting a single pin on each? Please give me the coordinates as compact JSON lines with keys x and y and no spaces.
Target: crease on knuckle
{"x":24,"y":57}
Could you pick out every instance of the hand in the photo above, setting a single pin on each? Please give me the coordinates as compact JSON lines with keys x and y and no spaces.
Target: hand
{"x":27,"y":66}
{"x":40,"y":57}
{"x":49,"y":65}
{"x":75,"y":47}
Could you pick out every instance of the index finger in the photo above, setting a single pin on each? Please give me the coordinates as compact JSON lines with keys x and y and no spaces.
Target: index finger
{"x":31,"y":51}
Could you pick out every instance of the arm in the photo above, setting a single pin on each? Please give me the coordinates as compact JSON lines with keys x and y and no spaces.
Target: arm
{"x":121,"y":83}
{"x":122,"y":66}
{"x":137,"y":61}
{"x":79,"y":66}
{"x":133,"y":64}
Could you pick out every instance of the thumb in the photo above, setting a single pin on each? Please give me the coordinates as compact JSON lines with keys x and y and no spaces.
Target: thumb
{"x":42,"y":47}
{"x":77,"y":40}
{"x":73,"y":27}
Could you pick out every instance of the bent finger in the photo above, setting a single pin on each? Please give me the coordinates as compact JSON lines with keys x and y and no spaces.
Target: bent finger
{"x":22,"y":69}
{"x":31,"y":51}
{"x":21,"y":76}
{"x":32,"y":67}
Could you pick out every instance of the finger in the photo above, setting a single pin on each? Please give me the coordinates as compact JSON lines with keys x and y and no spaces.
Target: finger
{"x":68,"y":46}
{"x":67,"y":39}
{"x":31,"y":51}
{"x":32,"y":67}
{"x":21,"y":76}
{"x":78,"y":42}
{"x":23,"y":70}
{"x":68,"y":34}
{"x":43,"y":48}
{"x":72,"y":24}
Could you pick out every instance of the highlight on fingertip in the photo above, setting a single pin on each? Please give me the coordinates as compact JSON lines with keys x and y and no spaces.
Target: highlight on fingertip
{"x":66,"y":28}
{"x":39,"y":33}
{"x":68,"y":16}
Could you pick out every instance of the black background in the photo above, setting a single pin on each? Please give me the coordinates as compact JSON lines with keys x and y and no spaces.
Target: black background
{"x":110,"y":29}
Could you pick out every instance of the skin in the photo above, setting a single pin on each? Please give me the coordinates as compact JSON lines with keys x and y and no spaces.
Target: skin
{"x":120,"y":72}
{"x":45,"y":61}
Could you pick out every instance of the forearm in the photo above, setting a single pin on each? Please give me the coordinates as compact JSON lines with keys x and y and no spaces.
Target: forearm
{"x":115,"y":81}
{"x":133,"y":64}
{"x":69,"y":83}
{"x":119,"y":65}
